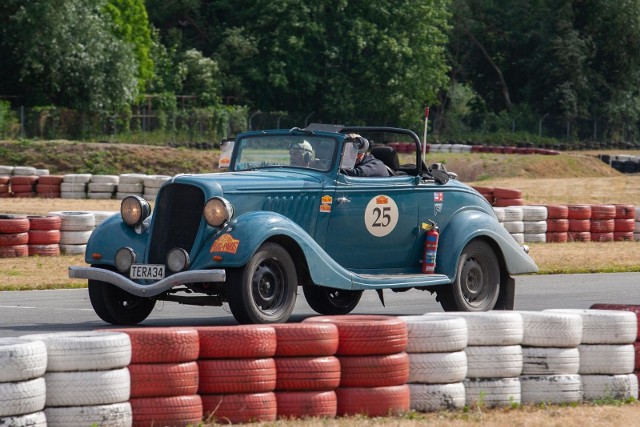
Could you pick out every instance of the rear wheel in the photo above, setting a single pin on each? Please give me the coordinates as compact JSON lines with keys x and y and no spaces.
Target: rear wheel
{"x":330,"y":301}
{"x":477,"y":283}
{"x":264,"y":290}
{"x":115,"y":306}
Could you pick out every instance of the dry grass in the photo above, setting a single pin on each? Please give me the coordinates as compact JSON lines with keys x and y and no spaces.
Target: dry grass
{"x":592,"y":257}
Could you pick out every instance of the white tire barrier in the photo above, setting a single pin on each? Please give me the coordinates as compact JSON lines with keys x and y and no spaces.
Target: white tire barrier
{"x":605,"y":326}
{"x":620,"y":387}
{"x":437,"y":368}
{"x":22,"y":397}
{"x":607,"y":359}
{"x":556,"y":389}
{"x":113,"y":415}
{"x":87,"y":388}
{"x":491,"y":327}
{"x":36,"y":419}
{"x":494,"y":361}
{"x":21,"y":359}
{"x":436,"y":334}
{"x":492,"y":392}
{"x":550,"y":361}
{"x":436,"y":397}
{"x":548,"y":329}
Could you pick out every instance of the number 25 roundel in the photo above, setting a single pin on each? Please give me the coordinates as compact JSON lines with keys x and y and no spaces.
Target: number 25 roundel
{"x":381,"y":216}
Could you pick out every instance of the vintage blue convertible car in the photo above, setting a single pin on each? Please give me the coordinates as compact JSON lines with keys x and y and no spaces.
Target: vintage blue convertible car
{"x":277,"y":220}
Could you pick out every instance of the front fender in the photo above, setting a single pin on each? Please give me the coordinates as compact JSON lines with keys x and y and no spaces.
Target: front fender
{"x":111,"y":235}
{"x":468,"y":224}
{"x":238,"y":241}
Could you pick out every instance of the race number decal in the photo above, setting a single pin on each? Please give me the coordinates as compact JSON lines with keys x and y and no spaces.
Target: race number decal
{"x":381,"y":216}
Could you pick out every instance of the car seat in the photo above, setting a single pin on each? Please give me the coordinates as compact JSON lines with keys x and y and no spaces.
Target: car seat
{"x":388,"y":156}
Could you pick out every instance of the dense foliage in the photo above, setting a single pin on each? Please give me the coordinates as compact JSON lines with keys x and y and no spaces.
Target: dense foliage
{"x":482,"y":65}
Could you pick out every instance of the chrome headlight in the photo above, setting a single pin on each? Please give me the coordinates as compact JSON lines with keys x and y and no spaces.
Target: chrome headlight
{"x":177,"y":260}
{"x":217,"y":211}
{"x":125,"y":257}
{"x":134,"y":210}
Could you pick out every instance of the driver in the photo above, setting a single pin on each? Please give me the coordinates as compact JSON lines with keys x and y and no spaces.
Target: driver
{"x":301,"y":153}
{"x":366,"y":164}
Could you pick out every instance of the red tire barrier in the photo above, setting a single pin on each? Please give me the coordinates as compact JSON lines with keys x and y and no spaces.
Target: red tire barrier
{"x":579,"y":212}
{"x":44,"y":222}
{"x":623,"y":307}
{"x":362,"y":335}
{"x":374,"y":371}
{"x":503,"y":203}
{"x":51,"y":180}
{"x":484,"y":190}
{"x":27,"y":180}
{"x":14,"y":239}
{"x":373,"y":401}
{"x":578,"y":236}
{"x":557,"y":225}
{"x":13,"y":224}
{"x":603,"y":212}
{"x":602,"y":225}
{"x":307,"y":373}
{"x":14,"y":251}
{"x":602,"y":237}
{"x":44,"y":237}
{"x":4,"y":188}
{"x":507,"y":193}
{"x":21,"y":188}
{"x":624,"y":224}
{"x":47,"y":188}
{"x":237,"y":342}
{"x":579,"y":225}
{"x":4,"y":180}
{"x":306,"y":339}
{"x":166,"y":411}
{"x":233,"y":376}
{"x":163,"y":379}
{"x":557,"y":212}
{"x":557,"y":237}
{"x":625,"y":211}
{"x":304,"y":404}
{"x":240,"y":408}
{"x":623,"y":236}
{"x":162,"y":345}
{"x":44,"y":250}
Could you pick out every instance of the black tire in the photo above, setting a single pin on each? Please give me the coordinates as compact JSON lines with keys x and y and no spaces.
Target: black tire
{"x":265,"y":289}
{"x":115,"y":306}
{"x":477,"y":283}
{"x":330,"y":301}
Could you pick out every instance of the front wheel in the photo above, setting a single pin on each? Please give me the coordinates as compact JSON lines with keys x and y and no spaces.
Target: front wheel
{"x":264,"y":290}
{"x":115,"y":306}
{"x":477,"y":283}
{"x":330,"y":301}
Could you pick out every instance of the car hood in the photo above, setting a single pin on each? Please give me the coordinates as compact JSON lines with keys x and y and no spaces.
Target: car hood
{"x":267,"y":179}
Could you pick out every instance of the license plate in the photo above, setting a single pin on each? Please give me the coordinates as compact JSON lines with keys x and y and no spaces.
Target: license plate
{"x":147,"y":271}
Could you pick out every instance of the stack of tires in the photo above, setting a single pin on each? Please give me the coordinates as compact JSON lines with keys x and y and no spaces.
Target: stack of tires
{"x":607,"y":355}
{"x":513,"y":222}
{"x":23,"y":185}
{"x":624,"y":222}
{"x":375,"y":367}
{"x":100,"y":216}
{"x":602,"y":223}
{"x":551,"y":359}
{"x":130,"y":184}
{"x":307,"y":373}
{"x":636,"y":229}
{"x":14,"y":236}
{"x":44,"y":235}
{"x":102,"y":187}
{"x":487,"y":193}
{"x":437,"y":362}
{"x":237,"y":373}
{"x":579,"y":223}
{"x":23,"y":364}
{"x":48,"y":186}
{"x":534,"y":220}
{"x":164,"y":377}
{"x":5,"y":185}
{"x":557,"y":223}
{"x":152,"y":185}
{"x":74,"y":186}
{"x":75,"y":229}
{"x":87,"y":379}
{"x":633,"y":309}
{"x":507,"y":197}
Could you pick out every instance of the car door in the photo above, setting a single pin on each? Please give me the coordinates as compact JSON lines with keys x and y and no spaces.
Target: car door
{"x":373,"y":224}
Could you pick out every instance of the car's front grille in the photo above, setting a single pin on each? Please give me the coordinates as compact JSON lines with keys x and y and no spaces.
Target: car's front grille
{"x":178,"y":212}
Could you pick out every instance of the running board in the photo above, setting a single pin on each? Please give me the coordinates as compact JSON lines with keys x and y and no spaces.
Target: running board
{"x":390,"y":281}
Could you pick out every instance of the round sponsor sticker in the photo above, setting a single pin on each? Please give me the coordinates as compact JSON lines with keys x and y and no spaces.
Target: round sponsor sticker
{"x":381,"y":215}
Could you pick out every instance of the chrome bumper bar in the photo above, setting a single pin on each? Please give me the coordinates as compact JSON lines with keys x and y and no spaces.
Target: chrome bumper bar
{"x":151,"y":290}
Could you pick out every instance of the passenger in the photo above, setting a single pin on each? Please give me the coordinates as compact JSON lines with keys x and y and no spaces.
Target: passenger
{"x":300,"y":153}
{"x":366,"y":164}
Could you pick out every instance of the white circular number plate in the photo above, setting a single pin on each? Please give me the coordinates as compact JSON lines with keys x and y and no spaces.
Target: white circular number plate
{"x":381,"y":216}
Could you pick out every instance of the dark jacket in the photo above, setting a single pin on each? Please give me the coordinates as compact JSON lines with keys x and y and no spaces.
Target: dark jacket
{"x":369,"y":166}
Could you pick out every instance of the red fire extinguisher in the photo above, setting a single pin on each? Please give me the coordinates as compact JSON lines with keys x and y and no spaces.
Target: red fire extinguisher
{"x":430,"y":247}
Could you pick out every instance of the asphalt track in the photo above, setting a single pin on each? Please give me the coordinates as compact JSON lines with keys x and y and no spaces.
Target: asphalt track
{"x":26,"y":312}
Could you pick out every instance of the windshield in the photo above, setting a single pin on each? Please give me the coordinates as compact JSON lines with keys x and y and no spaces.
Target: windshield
{"x":299,"y":151}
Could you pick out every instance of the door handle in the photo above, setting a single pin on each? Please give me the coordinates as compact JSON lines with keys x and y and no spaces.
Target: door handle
{"x":343,"y":200}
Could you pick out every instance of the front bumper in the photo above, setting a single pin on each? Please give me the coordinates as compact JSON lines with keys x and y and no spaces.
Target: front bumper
{"x":107,"y":276}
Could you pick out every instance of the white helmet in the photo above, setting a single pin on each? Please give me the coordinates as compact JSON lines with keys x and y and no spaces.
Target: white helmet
{"x":305,"y":146}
